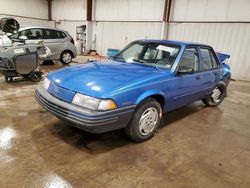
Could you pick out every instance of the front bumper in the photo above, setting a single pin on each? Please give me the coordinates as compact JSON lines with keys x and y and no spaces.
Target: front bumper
{"x":85,"y":119}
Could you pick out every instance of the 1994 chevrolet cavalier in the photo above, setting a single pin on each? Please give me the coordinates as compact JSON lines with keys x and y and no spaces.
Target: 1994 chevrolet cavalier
{"x":136,"y":86}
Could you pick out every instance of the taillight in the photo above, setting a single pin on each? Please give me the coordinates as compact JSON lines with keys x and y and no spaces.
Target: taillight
{"x":72,"y":41}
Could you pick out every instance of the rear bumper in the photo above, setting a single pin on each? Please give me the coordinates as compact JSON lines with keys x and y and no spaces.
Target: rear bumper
{"x":85,"y":119}
{"x":227,"y":78}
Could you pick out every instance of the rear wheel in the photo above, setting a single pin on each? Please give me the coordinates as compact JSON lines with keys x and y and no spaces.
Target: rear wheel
{"x":145,"y":121}
{"x":66,"y":57}
{"x":217,"y":96}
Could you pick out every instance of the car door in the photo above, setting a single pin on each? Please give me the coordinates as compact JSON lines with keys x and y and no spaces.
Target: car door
{"x":33,"y":35}
{"x":186,"y":86}
{"x":53,"y":39}
{"x":210,"y":69}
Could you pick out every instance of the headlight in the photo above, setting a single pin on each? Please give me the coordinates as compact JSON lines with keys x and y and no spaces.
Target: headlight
{"x":46,"y":83}
{"x":93,"y":103}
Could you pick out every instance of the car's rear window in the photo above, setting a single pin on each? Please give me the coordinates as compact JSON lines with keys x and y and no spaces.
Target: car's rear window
{"x":53,"y":34}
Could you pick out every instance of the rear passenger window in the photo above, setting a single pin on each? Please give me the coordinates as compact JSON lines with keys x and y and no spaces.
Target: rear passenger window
{"x":215,"y":64}
{"x":53,"y":34}
{"x":32,"y":34}
{"x":208,"y":60}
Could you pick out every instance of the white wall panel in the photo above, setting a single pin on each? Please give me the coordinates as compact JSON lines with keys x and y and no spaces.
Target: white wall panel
{"x":70,"y":26}
{"x":31,"y":22}
{"x":129,"y":10}
{"x":210,"y":10}
{"x":29,"y":8}
{"x":233,"y":39}
{"x":118,"y":34}
{"x":69,"y":9}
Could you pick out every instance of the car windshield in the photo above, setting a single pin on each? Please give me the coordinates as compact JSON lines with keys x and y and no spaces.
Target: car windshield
{"x":150,"y":53}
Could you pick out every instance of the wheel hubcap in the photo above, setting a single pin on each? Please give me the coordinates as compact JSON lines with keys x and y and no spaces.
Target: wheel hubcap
{"x":148,"y":121}
{"x":216,"y":94}
{"x":67,"y":57}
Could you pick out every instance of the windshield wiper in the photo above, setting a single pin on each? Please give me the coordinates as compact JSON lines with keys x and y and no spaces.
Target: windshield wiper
{"x":147,"y":63}
{"x":117,"y":58}
{"x":139,"y":60}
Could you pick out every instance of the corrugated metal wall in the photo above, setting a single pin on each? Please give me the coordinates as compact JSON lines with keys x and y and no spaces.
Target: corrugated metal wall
{"x":71,"y":10}
{"x":28,"y":8}
{"x":232,"y":37}
{"x":119,"y":22}
{"x":27,"y":12}
{"x":70,"y":13}
{"x":129,"y":10}
{"x":210,"y":10}
{"x":118,"y":34}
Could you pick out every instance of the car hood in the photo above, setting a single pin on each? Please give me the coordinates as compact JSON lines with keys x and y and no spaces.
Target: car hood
{"x":103,"y":79}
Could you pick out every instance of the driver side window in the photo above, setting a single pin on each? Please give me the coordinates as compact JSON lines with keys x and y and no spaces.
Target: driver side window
{"x":189,"y":59}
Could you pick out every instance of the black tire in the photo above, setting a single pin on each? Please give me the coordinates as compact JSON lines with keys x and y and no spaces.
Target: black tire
{"x":35,"y":77}
{"x":66,"y":57}
{"x":210,"y":101}
{"x":133,"y":128}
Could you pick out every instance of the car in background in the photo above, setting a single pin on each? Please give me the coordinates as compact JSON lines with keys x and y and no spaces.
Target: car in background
{"x":58,"y":41}
{"x":135,"y":87}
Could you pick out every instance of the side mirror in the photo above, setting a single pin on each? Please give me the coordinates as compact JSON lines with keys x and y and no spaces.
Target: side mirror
{"x":91,"y":60}
{"x":23,"y":38}
{"x":185,"y":70}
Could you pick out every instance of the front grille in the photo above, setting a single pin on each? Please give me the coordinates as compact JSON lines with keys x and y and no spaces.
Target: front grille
{"x":72,"y":116}
{"x":51,"y":106}
{"x":61,"y":93}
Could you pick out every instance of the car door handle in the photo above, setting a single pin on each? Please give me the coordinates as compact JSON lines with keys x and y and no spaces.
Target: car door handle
{"x":198,"y":77}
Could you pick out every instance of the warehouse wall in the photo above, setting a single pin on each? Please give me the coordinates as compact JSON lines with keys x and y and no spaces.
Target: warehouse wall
{"x":115,"y":22}
{"x":129,"y":10}
{"x":119,"y":22}
{"x":69,"y":14}
{"x":223,"y":24}
{"x":71,"y":10}
{"x":210,"y":10}
{"x":27,"y":12}
{"x":118,"y":34}
{"x":218,"y":23}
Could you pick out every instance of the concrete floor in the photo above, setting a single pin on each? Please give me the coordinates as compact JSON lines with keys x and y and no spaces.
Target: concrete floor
{"x":196,"y":147}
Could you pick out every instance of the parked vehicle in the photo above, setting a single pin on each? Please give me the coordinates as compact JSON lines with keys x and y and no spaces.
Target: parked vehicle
{"x":135,"y":87}
{"x":20,"y":59}
{"x":58,"y":41}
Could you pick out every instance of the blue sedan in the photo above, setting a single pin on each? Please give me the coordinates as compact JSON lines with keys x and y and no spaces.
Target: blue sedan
{"x":136,"y":86}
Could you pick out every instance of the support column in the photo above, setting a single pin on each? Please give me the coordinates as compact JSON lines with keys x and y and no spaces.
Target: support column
{"x":89,"y":25}
{"x":49,"y":10}
{"x":165,"y":19}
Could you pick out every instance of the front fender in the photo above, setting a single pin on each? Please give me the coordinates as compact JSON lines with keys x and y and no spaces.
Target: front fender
{"x":148,"y":94}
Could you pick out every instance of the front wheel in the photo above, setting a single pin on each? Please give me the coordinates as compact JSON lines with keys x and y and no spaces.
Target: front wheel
{"x":66,"y":57}
{"x":8,"y":79}
{"x":217,"y":96}
{"x":145,"y":121}
{"x":35,"y":77}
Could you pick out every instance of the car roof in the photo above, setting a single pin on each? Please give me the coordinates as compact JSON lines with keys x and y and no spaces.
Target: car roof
{"x":175,"y":42}
{"x":39,"y":27}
